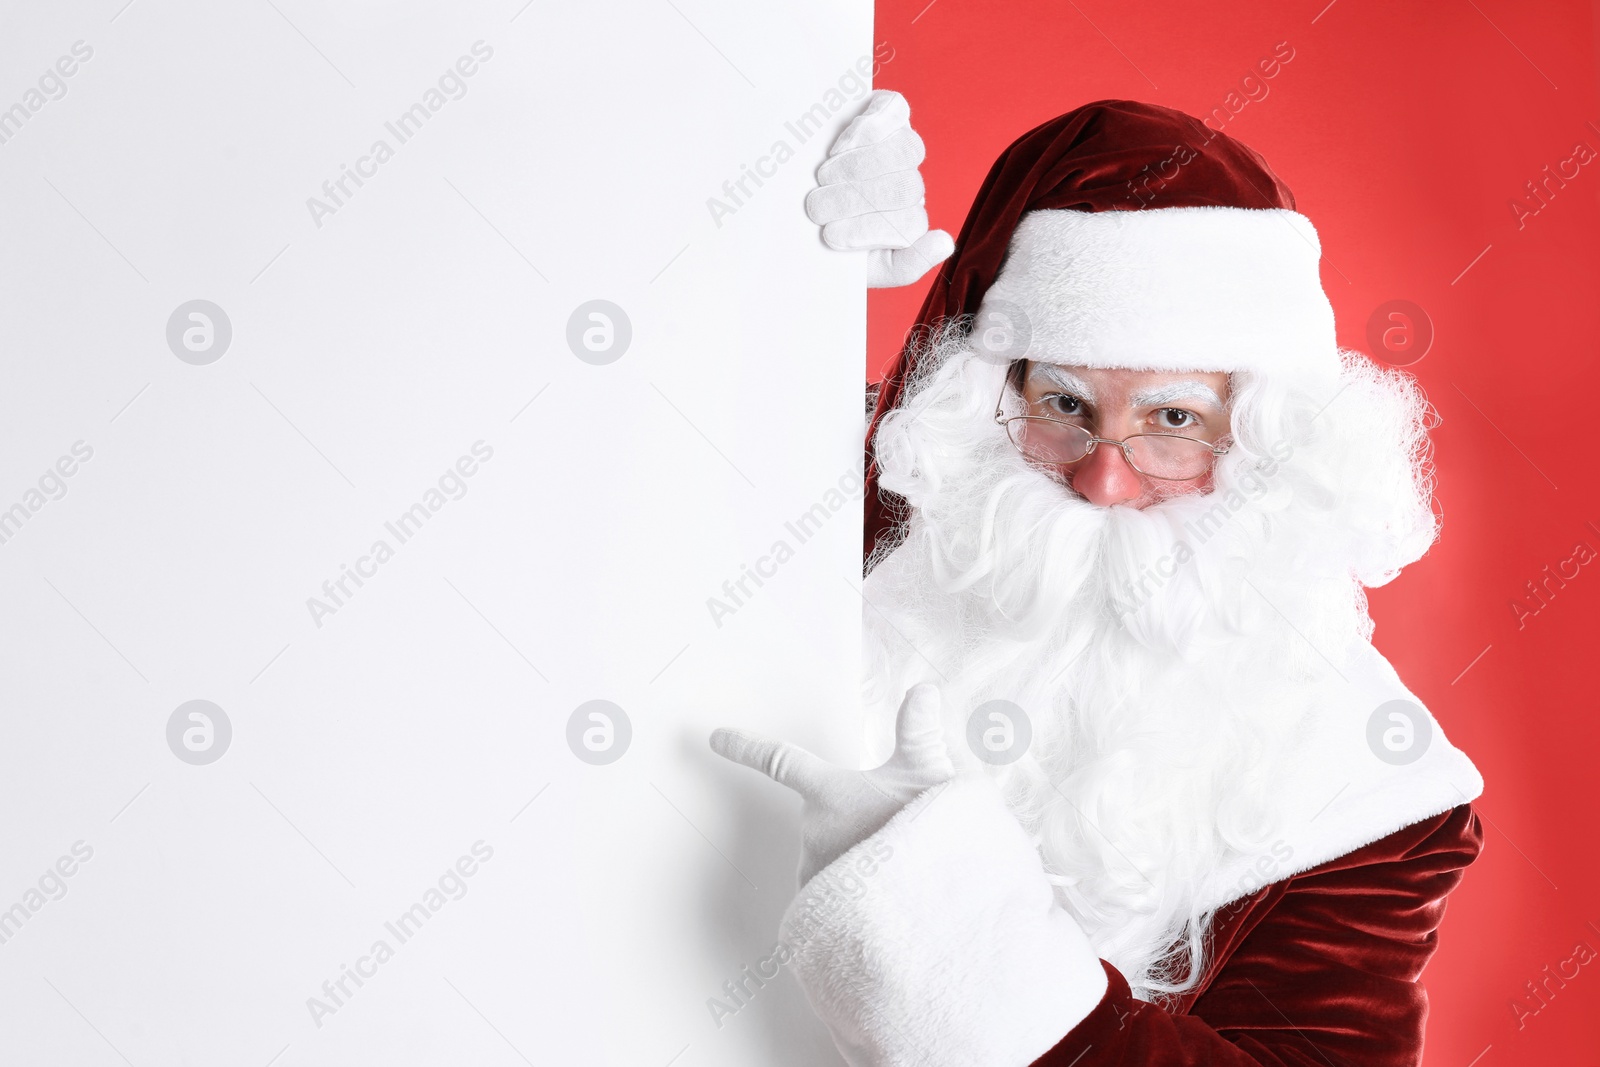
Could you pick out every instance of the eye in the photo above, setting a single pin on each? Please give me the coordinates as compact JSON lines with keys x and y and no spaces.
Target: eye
{"x":1061,"y":404}
{"x":1176,"y":419}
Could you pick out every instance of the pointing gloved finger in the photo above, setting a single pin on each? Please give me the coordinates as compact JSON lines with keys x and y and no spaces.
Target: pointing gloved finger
{"x":781,"y":761}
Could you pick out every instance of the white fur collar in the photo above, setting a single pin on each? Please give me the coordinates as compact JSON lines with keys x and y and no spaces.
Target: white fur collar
{"x":1338,"y":794}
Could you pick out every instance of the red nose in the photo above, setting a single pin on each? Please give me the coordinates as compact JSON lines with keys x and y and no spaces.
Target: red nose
{"x":1103,"y":477}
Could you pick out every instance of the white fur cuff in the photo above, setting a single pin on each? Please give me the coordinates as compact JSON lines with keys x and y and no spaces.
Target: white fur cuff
{"x":938,"y":940}
{"x":1183,"y":288}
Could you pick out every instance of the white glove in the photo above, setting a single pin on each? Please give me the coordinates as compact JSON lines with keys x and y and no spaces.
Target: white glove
{"x":845,"y":807}
{"x":869,"y":195}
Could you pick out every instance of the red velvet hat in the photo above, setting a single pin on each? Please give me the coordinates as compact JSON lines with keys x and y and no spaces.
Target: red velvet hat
{"x":1130,"y":235}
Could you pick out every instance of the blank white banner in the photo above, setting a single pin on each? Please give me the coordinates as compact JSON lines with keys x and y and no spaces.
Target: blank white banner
{"x":423,"y":424}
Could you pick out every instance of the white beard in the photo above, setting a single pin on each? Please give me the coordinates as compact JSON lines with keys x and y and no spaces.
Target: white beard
{"x":1165,"y":658}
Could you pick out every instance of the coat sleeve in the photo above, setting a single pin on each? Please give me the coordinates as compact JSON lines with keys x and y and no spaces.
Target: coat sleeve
{"x":1328,"y":973}
{"x":938,"y":940}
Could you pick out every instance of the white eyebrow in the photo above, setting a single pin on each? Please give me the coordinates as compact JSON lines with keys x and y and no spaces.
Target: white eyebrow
{"x":1068,"y":381}
{"x":1174,"y":391}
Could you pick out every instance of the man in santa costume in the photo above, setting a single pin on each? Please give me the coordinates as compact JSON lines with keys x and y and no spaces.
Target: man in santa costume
{"x":1154,"y":797}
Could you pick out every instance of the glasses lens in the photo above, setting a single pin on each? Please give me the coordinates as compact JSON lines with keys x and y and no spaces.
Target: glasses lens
{"x":1048,"y":441}
{"x":1161,"y":456}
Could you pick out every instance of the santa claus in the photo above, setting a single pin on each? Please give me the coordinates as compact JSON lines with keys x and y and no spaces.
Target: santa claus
{"x":1154,"y":797}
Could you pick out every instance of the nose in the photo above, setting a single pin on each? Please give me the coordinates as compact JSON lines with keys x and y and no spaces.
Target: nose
{"x":1103,"y":477}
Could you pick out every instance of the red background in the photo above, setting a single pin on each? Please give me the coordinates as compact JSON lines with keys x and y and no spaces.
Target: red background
{"x":1405,"y":132}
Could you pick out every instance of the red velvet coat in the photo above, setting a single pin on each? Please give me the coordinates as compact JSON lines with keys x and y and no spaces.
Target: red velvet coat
{"x":1319,"y":969}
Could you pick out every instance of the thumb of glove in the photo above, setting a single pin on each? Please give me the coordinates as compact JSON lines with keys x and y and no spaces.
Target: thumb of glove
{"x":888,"y":268}
{"x":920,"y":751}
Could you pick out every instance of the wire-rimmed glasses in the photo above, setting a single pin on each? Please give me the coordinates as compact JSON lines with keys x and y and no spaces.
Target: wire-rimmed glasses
{"x":1051,"y":442}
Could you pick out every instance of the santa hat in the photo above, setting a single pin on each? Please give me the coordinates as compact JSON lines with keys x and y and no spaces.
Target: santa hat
{"x":1124,"y":234}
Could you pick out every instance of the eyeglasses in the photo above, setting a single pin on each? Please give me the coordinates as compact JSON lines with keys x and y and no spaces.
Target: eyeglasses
{"x":1050,"y":442}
